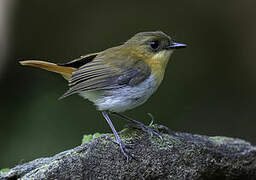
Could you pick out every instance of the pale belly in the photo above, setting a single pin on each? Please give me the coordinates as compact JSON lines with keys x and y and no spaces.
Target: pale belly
{"x":122,"y":99}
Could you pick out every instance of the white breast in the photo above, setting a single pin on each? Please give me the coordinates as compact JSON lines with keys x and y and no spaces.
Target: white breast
{"x":122,"y":99}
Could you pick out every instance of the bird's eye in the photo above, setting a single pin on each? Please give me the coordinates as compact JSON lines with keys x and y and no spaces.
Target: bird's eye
{"x":154,"y":45}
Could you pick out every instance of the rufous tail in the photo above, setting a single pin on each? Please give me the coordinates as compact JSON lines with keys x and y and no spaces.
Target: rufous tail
{"x":66,"y":72}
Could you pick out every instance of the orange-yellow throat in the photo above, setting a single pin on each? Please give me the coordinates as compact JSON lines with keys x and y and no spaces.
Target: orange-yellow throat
{"x":158,"y":65}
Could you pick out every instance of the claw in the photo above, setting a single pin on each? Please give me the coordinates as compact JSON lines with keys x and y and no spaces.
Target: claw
{"x":157,"y":134}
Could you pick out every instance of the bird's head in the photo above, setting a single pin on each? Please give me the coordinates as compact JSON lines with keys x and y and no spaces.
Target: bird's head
{"x":154,"y":44}
{"x":155,"y":48}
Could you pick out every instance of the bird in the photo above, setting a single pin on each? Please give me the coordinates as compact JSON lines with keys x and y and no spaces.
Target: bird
{"x":119,"y":78}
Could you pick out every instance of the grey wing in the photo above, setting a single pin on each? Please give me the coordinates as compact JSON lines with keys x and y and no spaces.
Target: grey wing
{"x":97,"y":75}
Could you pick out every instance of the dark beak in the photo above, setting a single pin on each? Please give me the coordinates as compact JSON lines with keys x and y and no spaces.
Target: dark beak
{"x":175,"y":45}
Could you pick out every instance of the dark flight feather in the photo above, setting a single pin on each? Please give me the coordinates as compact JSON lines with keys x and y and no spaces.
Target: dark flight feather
{"x":79,"y":61}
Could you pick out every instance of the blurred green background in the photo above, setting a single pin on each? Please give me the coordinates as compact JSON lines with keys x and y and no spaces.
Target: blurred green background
{"x":209,"y":87}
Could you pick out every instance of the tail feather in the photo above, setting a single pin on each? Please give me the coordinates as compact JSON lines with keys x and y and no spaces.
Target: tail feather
{"x":66,"y":72}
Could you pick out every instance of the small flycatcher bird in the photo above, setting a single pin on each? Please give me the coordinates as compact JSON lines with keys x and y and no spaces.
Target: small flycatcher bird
{"x":119,"y":78}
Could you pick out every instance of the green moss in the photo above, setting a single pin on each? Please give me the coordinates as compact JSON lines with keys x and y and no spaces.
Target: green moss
{"x":89,"y":137}
{"x":167,"y":142}
{"x":4,"y":170}
{"x":86,"y":138}
{"x":128,"y":134}
{"x":219,"y":139}
{"x":96,"y":135}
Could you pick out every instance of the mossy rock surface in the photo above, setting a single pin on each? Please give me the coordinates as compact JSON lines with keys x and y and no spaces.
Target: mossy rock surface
{"x":177,"y":156}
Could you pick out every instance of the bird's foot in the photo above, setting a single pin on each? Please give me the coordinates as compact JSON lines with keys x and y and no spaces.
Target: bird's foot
{"x":140,"y":125}
{"x":123,"y":147}
{"x":125,"y":151}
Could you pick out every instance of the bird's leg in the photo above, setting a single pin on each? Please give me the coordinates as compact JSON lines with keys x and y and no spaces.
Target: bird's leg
{"x":139,"y":124}
{"x":118,"y":140}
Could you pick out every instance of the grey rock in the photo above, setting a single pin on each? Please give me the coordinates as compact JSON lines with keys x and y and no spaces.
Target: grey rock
{"x":177,"y":156}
